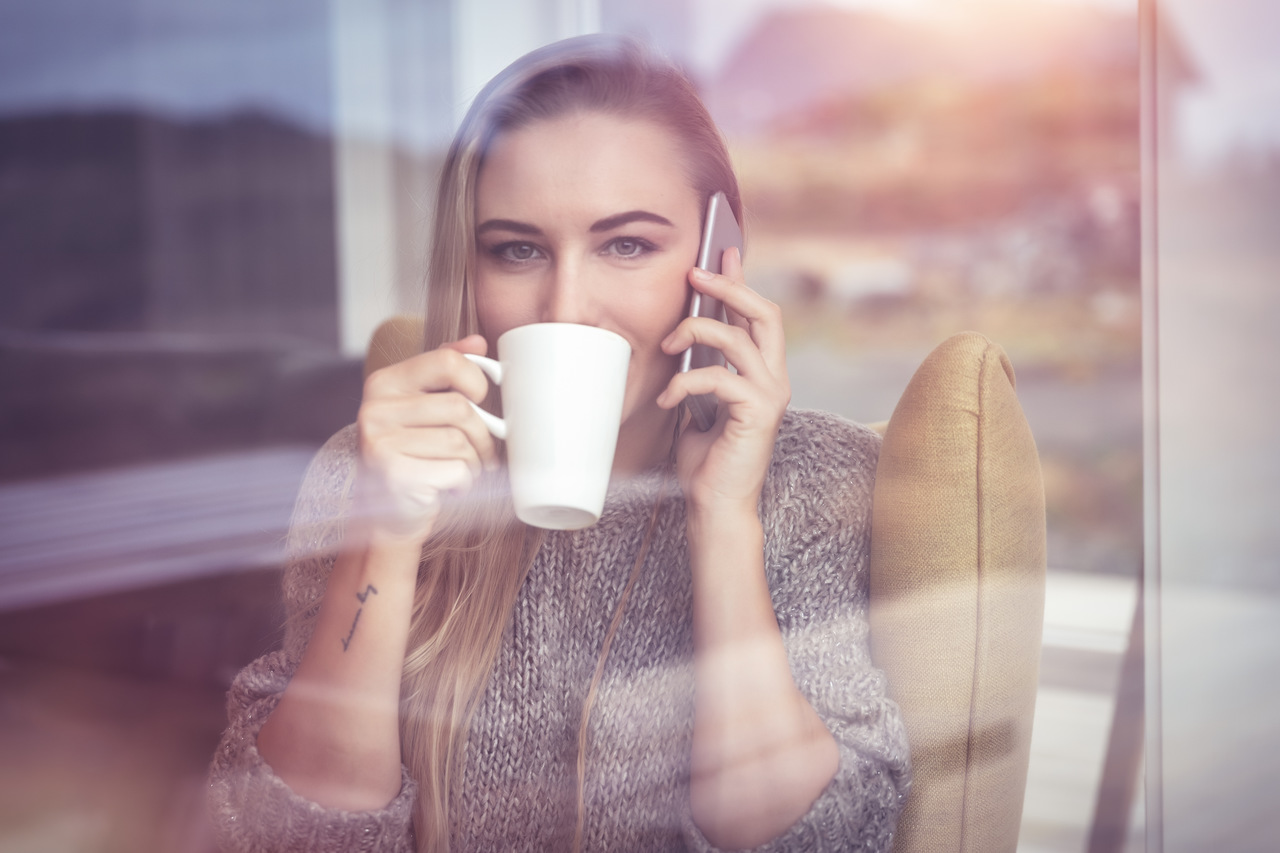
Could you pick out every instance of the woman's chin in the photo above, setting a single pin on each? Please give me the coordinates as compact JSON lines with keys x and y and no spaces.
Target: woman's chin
{"x":644,"y":439}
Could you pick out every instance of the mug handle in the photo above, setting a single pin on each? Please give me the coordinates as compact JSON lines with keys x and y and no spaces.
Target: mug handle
{"x":492,"y":369}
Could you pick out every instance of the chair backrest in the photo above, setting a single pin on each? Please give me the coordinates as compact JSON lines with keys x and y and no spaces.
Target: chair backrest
{"x":395,"y":339}
{"x":957,"y":595}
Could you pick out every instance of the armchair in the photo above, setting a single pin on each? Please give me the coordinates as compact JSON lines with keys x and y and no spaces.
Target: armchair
{"x":957,"y":587}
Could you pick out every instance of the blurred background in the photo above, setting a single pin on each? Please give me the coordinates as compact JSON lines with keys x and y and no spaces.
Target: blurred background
{"x":205,"y":210}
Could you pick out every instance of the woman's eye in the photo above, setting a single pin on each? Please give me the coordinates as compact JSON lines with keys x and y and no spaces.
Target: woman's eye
{"x":630,"y":247}
{"x":515,"y":252}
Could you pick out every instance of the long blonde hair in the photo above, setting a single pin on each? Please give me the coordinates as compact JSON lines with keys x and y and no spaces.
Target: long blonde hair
{"x":473,"y":567}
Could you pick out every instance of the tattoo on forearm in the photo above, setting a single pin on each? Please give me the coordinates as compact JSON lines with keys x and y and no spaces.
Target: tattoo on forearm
{"x":347,"y":642}
{"x":363,"y":596}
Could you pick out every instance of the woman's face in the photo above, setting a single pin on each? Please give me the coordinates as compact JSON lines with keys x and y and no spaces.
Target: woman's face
{"x":590,"y":218}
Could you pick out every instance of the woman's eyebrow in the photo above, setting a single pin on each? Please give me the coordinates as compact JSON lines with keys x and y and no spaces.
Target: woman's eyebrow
{"x":508,"y":225}
{"x":617,"y":220}
{"x":607,"y":224}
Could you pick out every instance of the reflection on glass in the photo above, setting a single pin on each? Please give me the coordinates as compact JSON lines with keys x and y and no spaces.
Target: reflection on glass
{"x":167,"y":365}
{"x":914,"y":170}
{"x":173,"y":199}
{"x":1215,"y":186}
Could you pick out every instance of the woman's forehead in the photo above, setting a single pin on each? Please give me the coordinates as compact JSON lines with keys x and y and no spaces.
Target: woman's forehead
{"x":589,"y":160}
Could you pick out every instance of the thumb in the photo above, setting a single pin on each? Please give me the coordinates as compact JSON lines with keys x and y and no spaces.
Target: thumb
{"x":472,"y":344}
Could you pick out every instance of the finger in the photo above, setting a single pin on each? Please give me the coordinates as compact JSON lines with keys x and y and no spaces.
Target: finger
{"x":414,"y":489}
{"x":473,"y":344}
{"x":736,"y":343}
{"x":419,"y":413}
{"x":732,"y":390}
{"x":731,"y":265}
{"x":424,"y":479}
{"x":443,"y":443}
{"x":762,"y":318}
{"x":731,"y":268}
{"x":440,"y":369}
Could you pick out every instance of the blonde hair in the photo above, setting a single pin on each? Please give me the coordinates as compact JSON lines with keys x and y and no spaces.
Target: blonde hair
{"x":473,"y":567}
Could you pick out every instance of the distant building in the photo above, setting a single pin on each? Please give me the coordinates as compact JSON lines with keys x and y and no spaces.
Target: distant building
{"x":665,"y":24}
{"x":797,"y":60}
{"x":1176,"y":71}
{"x":134,"y":222}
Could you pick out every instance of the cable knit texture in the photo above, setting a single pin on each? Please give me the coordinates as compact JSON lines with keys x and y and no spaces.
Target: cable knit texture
{"x":517,"y":788}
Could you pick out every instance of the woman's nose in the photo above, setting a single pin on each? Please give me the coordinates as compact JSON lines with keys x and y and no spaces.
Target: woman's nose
{"x":569,"y":297}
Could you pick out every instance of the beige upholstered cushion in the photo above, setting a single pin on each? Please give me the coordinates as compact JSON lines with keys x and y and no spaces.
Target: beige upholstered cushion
{"x":957,"y":594}
{"x":395,"y":339}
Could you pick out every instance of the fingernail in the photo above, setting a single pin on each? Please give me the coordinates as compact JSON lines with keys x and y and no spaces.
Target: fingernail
{"x":699,"y":274}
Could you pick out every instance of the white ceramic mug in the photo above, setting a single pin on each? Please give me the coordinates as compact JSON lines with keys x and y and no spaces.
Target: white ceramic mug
{"x":562,"y":387}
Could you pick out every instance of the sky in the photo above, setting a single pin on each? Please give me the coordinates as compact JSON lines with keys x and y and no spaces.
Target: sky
{"x":178,"y":56}
{"x":721,"y":23}
{"x":92,"y":53}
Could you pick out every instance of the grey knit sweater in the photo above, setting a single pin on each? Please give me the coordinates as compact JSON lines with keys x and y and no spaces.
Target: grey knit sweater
{"x":517,"y":788}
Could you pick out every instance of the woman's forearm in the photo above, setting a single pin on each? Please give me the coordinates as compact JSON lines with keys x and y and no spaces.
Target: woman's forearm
{"x":761,"y":755}
{"x":334,"y":737}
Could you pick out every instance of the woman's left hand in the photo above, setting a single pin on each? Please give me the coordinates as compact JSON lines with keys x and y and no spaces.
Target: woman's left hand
{"x":724,"y":467}
{"x":753,"y":730}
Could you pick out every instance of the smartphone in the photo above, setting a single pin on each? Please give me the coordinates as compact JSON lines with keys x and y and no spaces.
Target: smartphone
{"x":719,"y":231}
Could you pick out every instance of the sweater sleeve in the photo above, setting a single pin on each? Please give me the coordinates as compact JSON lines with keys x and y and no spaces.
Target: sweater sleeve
{"x":817,"y":515}
{"x":253,"y":810}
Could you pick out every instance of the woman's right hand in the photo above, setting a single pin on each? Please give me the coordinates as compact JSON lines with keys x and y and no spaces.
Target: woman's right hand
{"x":334,"y":737}
{"x":420,"y":438}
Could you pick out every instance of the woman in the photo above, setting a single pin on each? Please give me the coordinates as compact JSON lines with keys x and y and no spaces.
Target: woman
{"x":689,"y":673}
